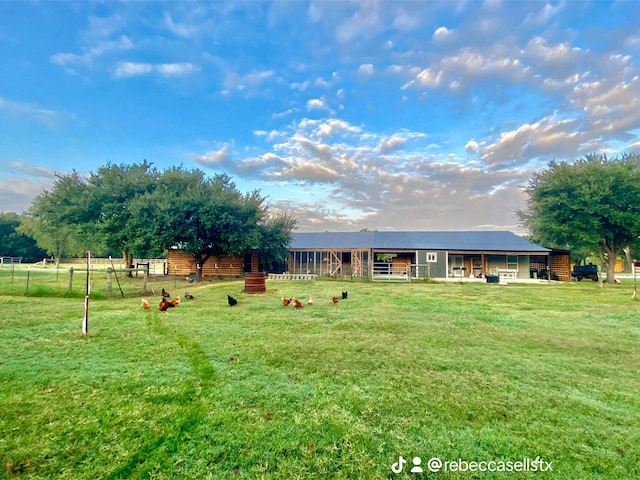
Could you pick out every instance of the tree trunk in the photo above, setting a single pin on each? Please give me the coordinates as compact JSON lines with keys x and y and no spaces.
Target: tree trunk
{"x":610,"y":257}
{"x":200,"y":261}
{"x":128,"y":261}
{"x":628,"y":266}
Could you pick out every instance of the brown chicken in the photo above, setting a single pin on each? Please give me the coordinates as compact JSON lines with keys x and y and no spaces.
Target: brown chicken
{"x":297,"y":303}
{"x":285,"y":302}
{"x":145,"y":304}
{"x":175,"y":302}
{"x":335,"y":299}
{"x":164,"y":305}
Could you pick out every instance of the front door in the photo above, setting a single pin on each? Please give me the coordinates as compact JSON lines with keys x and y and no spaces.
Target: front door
{"x":456,"y":264}
{"x":476,"y":266}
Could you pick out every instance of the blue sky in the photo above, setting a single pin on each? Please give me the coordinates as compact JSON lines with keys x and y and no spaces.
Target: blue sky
{"x":348,"y":115}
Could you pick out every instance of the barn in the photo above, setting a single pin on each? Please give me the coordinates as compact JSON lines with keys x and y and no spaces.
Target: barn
{"x":436,"y":255}
{"x":183,"y":264}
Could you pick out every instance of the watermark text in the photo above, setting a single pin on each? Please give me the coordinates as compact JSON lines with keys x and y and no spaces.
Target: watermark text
{"x":436,"y":464}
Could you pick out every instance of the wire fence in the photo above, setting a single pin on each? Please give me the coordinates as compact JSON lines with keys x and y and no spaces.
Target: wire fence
{"x":70,"y":280}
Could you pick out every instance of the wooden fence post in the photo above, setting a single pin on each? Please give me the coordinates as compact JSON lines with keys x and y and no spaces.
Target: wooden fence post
{"x":70,"y":278}
{"x":109,"y":270}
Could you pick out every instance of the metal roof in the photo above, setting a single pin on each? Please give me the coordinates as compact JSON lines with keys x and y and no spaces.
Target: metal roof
{"x":481,"y":241}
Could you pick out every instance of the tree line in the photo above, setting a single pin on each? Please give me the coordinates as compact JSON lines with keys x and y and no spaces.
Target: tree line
{"x":138,"y":210}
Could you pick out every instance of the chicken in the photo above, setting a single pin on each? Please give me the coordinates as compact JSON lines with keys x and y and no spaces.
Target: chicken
{"x":297,"y":303}
{"x":165,"y":294}
{"x":175,"y":302}
{"x":310,"y":301}
{"x":232,"y":301}
{"x":335,"y":299}
{"x":188,"y":296}
{"x":145,"y":304}
{"x":344,"y":295}
{"x":164,"y":305}
{"x":285,"y":302}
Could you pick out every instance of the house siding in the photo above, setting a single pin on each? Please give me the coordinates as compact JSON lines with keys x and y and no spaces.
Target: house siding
{"x":181,"y":263}
{"x":426,"y":269}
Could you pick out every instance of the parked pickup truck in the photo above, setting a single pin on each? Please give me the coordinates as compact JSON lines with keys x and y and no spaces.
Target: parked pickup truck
{"x":585,"y":271}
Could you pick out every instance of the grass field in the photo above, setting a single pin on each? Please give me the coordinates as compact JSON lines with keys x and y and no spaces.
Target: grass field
{"x":471,"y":372}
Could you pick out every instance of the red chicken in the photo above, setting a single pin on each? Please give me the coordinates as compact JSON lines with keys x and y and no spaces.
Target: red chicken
{"x":164,"y":305}
{"x":297,"y":303}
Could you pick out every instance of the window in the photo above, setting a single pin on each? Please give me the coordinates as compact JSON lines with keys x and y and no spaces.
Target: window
{"x":512,"y":262}
{"x":432,"y":257}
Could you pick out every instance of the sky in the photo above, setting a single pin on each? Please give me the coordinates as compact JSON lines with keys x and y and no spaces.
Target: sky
{"x":348,"y":115}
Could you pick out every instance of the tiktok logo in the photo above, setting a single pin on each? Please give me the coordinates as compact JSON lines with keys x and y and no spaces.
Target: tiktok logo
{"x":397,"y":467}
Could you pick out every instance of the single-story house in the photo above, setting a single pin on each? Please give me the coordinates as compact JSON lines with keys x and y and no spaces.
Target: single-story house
{"x":436,"y":255}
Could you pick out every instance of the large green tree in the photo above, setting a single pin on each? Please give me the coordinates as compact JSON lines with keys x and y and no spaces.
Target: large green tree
{"x":79,"y":214}
{"x":110,"y":192}
{"x":591,"y":204}
{"x":207,"y":216}
{"x":134,"y":209}
{"x":14,"y":243}
{"x":57,"y":217}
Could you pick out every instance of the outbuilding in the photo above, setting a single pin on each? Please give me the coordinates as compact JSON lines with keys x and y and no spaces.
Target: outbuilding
{"x":402,"y":256}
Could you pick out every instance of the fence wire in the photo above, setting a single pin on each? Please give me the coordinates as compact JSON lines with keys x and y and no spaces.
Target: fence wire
{"x":71,"y":281}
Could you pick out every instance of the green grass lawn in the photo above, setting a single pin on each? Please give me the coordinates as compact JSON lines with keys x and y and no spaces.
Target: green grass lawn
{"x":471,"y":372}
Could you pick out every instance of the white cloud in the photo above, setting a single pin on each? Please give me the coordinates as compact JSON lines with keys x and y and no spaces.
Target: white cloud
{"x":544,"y":15}
{"x":365,"y":70}
{"x":132,"y":69}
{"x":310,"y":171}
{"x":429,"y":78}
{"x":316,"y":149}
{"x":560,"y":53}
{"x":215,"y":158}
{"x":406,"y":21}
{"x":182,"y":30}
{"x":21,"y":183}
{"x":317,"y":104}
{"x":471,"y":146}
{"x":302,"y":86}
{"x":333,"y":127}
{"x":248,"y":82}
{"x":92,"y":51}
{"x":321,"y":82}
{"x":390,"y":144}
{"x":365,"y":22}
{"x":176,"y":69}
{"x":45,"y":116}
{"x":441,"y":33}
{"x":32,"y":171}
